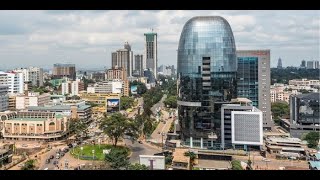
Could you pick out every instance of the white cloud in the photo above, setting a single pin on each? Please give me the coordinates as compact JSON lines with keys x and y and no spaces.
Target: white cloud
{"x":83,"y":35}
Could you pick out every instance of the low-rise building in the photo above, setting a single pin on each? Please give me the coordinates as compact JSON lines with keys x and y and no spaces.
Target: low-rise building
{"x":153,"y":162}
{"x":75,"y":109}
{"x":288,"y":147}
{"x":38,"y":126}
{"x":180,"y":161}
{"x":6,"y":151}
{"x":31,"y":99}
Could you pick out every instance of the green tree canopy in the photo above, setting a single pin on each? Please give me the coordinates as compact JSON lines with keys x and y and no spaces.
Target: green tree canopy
{"x":126,"y":102}
{"x":29,"y":165}
{"x":280,"y":109}
{"x":137,"y":166}
{"x":78,"y":127}
{"x":236,"y":165}
{"x":117,"y":125}
{"x":171,"y":101}
{"x":118,"y":158}
{"x":312,"y":138}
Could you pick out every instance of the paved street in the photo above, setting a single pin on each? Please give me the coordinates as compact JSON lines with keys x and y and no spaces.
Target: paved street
{"x":159,"y":104}
{"x":140,"y":149}
{"x":163,"y":127}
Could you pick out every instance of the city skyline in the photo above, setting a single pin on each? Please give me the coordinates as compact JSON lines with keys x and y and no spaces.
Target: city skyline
{"x":43,"y":38}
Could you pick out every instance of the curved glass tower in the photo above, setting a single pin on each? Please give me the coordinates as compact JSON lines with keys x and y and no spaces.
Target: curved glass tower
{"x":207,"y":67}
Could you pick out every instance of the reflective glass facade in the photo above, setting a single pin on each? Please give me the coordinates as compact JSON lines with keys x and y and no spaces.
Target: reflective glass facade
{"x":248,"y":79}
{"x":207,"y":68}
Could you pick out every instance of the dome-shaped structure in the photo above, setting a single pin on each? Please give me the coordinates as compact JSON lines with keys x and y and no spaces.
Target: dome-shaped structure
{"x":207,"y":68}
{"x":207,"y":36}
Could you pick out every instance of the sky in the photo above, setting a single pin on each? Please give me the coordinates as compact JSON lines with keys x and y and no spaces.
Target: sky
{"x":87,"y":38}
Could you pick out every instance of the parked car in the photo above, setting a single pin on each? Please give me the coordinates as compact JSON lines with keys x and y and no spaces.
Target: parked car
{"x":62,"y":154}
{"x":24,"y":145}
{"x":70,"y":145}
{"x":20,"y":165}
{"x":47,"y":161}
{"x":51,"y":157}
{"x":55,"y":162}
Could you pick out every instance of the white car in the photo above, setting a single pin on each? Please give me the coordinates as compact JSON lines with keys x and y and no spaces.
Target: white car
{"x":266,"y":160}
{"x":20,"y":165}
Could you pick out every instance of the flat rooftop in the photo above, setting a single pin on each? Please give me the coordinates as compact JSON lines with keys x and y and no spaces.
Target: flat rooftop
{"x":27,"y":119}
{"x":284,"y":140}
{"x":178,"y":156}
{"x":315,"y":164}
{"x":213,"y":164}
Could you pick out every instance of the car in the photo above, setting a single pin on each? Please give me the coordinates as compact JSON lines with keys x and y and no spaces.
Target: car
{"x":20,"y":165}
{"x":62,"y":154}
{"x":65,"y":150}
{"x":55,"y":162}
{"x":266,"y":160}
{"x":70,"y":145}
{"x":140,"y":142}
{"x":51,"y":157}
{"x":24,"y":145}
{"x":47,"y":161}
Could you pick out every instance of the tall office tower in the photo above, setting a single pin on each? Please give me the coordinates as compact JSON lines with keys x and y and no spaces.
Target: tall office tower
{"x":4,"y":98}
{"x":310,"y":65}
{"x":304,"y":114}
{"x":64,"y":70}
{"x":279,"y":66}
{"x":13,"y":80}
{"x":303,"y":64}
{"x":207,"y":68}
{"x":253,"y":78}
{"x":316,"y":64}
{"x":138,"y":62}
{"x":150,"y":58}
{"x":123,"y":59}
{"x":32,"y":74}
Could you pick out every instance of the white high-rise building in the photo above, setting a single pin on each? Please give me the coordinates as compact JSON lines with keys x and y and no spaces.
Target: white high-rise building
{"x":4,"y":98}
{"x":14,"y":81}
{"x":150,"y":57}
{"x":33,"y":74}
{"x":72,"y":87}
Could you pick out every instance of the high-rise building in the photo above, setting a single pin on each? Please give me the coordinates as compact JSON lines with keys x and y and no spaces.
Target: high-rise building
{"x":13,"y":80}
{"x":316,"y":64}
{"x":279,"y":66}
{"x":72,"y":87}
{"x":4,"y":98}
{"x":207,"y":68}
{"x":64,"y":70}
{"x":32,"y":74}
{"x":303,"y":64}
{"x":123,"y":58}
{"x":310,"y":64}
{"x":150,"y":57}
{"x":304,"y":114}
{"x":138,"y":64}
{"x":254,"y":80}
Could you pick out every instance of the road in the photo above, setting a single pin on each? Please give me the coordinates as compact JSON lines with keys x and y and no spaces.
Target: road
{"x":163,"y":127}
{"x":159,"y":104}
{"x":140,"y":149}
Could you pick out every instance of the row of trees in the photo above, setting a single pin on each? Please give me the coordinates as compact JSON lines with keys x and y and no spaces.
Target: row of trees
{"x":284,"y":75}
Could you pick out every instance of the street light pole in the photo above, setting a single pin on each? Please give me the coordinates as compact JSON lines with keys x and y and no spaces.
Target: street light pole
{"x":92,"y":157}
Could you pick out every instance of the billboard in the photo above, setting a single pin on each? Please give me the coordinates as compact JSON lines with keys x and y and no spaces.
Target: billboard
{"x":134,"y":89}
{"x":113,"y":105}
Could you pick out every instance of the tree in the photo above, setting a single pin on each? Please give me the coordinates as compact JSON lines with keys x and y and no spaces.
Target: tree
{"x":236,"y":165}
{"x":280,"y":109}
{"x":192,"y":156}
{"x":126,"y":102}
{"x":118,"y":158}
{"x":249,"y":167}
{"x":171,"y":101}
{"x":29,"y":165}
{"x":117,"y":125}
{"x":168,"y":159}
{"x":313,"y":139}
{"x":137,"y":166}
{"x":78,"y":127}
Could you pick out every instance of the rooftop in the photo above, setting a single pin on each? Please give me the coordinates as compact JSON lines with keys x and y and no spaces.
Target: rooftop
{"x":56,"y":107}
{"x":313,"y":96}
{"x":28,"y":119}
{"x":178,"y":156}
{"x":315,"y":164}
{"x":284,"y":140}
{"x":317,"y":155}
